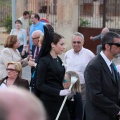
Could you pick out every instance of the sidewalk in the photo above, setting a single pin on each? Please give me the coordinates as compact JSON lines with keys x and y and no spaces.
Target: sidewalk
{"x":3,"y":37}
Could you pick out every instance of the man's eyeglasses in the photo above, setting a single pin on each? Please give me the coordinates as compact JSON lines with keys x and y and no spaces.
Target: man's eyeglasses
{"x":35,"y":38}
{"x":10,"y":69}
{"x":78,"y":42}
{"x":116,"y":44}
{"x":65,"y":81}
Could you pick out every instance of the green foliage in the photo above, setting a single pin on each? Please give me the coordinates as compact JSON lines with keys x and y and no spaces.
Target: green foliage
{"x":8,"y":23}
{"x":84,"y":23}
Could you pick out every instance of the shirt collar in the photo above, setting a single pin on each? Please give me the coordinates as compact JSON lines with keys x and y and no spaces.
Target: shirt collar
{"x":77,"y":53}
{"x":105,"y":58}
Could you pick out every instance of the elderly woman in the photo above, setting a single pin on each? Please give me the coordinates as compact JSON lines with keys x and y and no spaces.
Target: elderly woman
{"x":14,"y":76}
{"x":10,"y":53}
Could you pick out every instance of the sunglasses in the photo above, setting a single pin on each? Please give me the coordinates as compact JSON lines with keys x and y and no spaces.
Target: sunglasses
{"x":78,"y":42}
{"x":65,"y":81}
{"x":116,"y":44}
{"x":35,"y":38}
{"x":10,"y":69}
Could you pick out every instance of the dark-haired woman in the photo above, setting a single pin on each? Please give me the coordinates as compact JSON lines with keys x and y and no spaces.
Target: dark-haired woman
{"x":50,"y":74}
{"x":22,"y":37}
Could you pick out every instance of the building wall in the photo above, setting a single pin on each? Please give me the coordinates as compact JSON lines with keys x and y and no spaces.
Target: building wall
{"x":20,"y":7}
{"x":67,"y":19}
{"x":66,"y":11}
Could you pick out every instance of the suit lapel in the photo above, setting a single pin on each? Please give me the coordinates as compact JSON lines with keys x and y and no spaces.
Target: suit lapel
{"x":33,"y":50}
{"x":54,"y":65}
{"x":105,"y":67}
{"x":51,"y":60}
{"x":17,"y":81}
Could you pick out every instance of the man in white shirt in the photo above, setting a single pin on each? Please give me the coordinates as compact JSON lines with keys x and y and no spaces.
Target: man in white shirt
{"x":25,"y":20}
{"x":103,"y":82}
{"x":25,"y":23}
{"x":77,"y":59}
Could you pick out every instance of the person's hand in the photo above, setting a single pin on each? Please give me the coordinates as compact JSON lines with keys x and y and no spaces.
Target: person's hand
{"x":91,"y":37}
{"x":64,"y":92}
{"x":21,"y":61}
{"x":23,"y":52}
{"x":32,"y":63}
{"x":29,"y":57}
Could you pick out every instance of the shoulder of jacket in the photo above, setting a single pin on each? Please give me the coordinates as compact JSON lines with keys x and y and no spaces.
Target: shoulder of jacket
{"x":45,"y":59}
{"x":6,"y":50}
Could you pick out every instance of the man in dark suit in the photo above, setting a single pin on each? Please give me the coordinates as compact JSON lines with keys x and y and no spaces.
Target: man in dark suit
{"x":37,"y":37}
{"x":102,"y":82}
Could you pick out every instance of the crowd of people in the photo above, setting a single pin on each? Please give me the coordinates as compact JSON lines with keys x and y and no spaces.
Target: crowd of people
{"x":95,"y":94}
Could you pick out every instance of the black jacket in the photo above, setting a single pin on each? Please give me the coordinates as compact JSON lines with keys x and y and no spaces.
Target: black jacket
{"x":102,"y":91}
{"x":50,"y":75}
{"x":75,"y":107}
{"x":18,"y":82}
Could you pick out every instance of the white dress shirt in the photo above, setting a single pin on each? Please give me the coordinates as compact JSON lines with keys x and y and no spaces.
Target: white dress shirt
{"x":108,"y":62}
{"x":3,"y":85}
{"x":78,"y":61}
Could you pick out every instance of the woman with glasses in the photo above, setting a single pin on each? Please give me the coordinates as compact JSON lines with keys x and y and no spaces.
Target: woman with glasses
{"x":10,"y":53}
{"x":74,"y":101}
{"x":14,"y":70}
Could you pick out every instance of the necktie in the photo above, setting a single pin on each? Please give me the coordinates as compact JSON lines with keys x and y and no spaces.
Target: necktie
{"x":37,"y":51}
{"x":114,"y":71}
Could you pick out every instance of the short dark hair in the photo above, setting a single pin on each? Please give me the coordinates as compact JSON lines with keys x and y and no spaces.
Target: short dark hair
{"x":109,"y":38}
{"x":19,"y":21}
{"x":25,"y":13}
{"x":10,"y":41}
{"x":36,"y":16}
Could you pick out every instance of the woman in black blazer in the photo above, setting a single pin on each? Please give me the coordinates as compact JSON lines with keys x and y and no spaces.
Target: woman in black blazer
{"x":14,"y":76}
{"x":50,"y":75}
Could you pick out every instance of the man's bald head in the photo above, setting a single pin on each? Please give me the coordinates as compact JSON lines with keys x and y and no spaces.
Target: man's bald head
{"x":19,"y":104}
{"x":105,"y":30}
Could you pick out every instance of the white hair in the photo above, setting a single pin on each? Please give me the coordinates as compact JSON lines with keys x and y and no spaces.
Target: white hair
{"x":38,"y":32}
{"x":78,"y":34}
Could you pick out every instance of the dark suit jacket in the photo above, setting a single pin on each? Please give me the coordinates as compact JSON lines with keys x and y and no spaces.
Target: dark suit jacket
{"x":36,"y":59}
{"x":32,"y":82}
{"x":33,"y":51}
{"x":18,"y":82}
{"x":49,"y":78}
{"x":102,"y":91}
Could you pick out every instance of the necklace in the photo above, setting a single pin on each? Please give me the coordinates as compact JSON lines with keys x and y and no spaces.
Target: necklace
{"x":57,"y":60}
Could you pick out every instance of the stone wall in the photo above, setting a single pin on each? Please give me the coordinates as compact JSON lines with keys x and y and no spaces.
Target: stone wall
{"x":67,"y":19}
{"x":67,"y":15}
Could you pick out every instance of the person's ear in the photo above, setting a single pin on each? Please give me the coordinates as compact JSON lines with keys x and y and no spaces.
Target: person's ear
{"x":107,"y":47}
{"x":52,"y":45}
